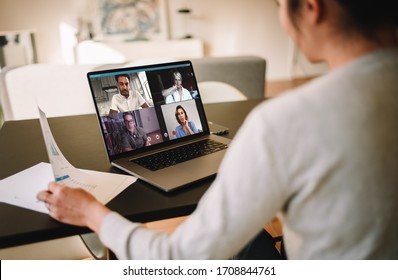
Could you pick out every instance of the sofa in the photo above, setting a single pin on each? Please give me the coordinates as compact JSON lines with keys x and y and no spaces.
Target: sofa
{"x":245,"y":73}
{"x":63,"y":90}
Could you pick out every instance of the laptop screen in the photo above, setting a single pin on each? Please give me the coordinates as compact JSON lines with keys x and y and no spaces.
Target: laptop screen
{"x":141,"y":108}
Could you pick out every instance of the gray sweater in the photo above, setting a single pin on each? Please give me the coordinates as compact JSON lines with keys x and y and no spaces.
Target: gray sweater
{"x":323,"y":156}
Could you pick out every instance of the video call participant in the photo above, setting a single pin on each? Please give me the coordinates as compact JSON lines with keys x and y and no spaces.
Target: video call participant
{"x":177,"y":92}
{"x":126,"y":99}
{"x":133,"y":137}
{"x":186,"y":126}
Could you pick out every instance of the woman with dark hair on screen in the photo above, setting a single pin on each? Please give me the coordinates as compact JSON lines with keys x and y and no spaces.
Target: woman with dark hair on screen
{"x":186,"y":126}
{"x":323,"y":156}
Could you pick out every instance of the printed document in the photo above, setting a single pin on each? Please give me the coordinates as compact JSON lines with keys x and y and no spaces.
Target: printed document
{"x":21,"y":189}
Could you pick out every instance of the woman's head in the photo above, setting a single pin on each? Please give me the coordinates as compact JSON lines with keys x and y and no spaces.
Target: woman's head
{"x":314,"y":24}
{"x":181,"y":114}
{"x":177,"y":79}
{"x":364,"y":16}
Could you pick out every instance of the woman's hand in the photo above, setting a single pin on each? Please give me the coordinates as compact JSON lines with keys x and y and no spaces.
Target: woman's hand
{"x":73,"y":206}
{"x":185,"y":124}
{"x":187,"y":128}
{"x":170,"y":90}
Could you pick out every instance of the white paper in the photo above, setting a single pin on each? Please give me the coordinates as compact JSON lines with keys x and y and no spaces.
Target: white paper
{"x":21,"y":189}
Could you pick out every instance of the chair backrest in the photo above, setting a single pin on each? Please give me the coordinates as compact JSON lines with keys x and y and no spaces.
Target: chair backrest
{"x":246,"y":73}
{"x":61,"y":90}
{"x":215,"y":92}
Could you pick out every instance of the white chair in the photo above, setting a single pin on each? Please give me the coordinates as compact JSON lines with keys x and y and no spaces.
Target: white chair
{"x":216,"y":92}
{"x":61,"y":90}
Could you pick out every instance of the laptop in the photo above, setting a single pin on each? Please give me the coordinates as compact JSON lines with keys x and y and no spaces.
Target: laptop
{"x":155,"y":134}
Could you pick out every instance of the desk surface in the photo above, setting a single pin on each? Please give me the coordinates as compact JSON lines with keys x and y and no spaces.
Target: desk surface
{"x":79,"y":138}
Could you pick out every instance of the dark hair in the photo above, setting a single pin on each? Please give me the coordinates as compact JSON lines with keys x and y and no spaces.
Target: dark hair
{"x":176,"y":113}
{"x":128,"y":113}
{"x":365,"y":16}
{"x":122,"y":75}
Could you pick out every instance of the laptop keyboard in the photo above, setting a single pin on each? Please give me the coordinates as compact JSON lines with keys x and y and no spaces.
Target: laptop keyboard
{"x":180,"y":154}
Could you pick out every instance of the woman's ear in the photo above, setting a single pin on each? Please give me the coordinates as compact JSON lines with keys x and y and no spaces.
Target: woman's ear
{"x":313,"y":10}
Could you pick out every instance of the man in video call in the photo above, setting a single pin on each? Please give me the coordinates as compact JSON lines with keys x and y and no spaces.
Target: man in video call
{"x":133,"y":137}
{"x":126,"y":99}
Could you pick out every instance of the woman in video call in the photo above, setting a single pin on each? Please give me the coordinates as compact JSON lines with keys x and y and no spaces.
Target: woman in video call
{"x":186,"y":126}
{"x":177,"y":92}
{"x":323,"y":156}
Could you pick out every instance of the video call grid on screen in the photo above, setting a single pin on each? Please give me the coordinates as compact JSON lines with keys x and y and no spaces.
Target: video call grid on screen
{"x":159,"y":121}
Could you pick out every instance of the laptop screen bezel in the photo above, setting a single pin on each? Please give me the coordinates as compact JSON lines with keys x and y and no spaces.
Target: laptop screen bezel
{"x":149,"y":67}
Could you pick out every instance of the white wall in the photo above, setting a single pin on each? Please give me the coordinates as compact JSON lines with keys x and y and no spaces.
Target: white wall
{"x":45,"y":16}
{"x":227,"y":27}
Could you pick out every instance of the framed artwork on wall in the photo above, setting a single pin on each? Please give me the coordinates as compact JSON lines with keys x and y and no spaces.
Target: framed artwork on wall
{"x":134,"y":19}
